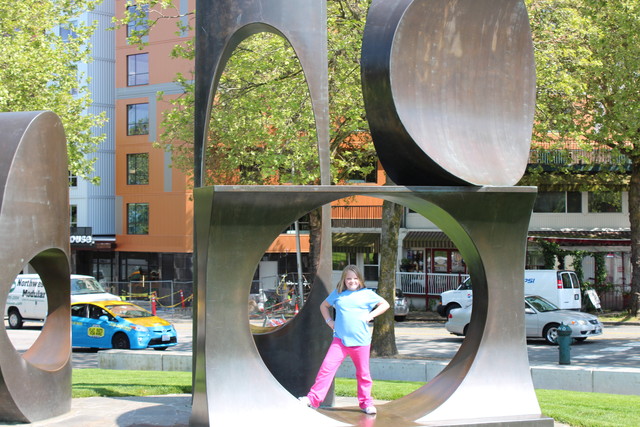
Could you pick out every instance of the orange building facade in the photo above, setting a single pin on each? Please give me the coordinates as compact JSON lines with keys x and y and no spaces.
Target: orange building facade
{"x":154,"y":208}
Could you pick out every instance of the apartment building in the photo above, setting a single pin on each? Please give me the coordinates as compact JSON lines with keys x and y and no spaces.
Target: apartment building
{"x":92,"y":207}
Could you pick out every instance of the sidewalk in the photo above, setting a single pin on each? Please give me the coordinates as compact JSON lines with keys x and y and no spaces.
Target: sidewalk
{"x":147,"y":411}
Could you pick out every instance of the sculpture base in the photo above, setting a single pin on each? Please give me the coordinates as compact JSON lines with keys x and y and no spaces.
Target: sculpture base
{"x":355,"y":417}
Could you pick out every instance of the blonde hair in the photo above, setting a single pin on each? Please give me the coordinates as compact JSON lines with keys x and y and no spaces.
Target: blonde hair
{"x":341,"y":286}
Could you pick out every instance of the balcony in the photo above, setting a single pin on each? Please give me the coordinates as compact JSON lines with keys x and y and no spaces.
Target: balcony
{"x":356,"y":216}
{"x":578,"y":160}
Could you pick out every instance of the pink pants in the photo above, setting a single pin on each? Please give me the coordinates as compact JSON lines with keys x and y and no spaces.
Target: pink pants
{"x":332,"y":361}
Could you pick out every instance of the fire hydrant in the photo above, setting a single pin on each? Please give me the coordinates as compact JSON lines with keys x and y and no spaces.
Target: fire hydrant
{"x":564,"y":344}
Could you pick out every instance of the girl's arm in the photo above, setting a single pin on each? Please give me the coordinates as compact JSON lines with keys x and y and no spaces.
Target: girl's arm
{"x":380,"y":308}
{"x":326,"y":314}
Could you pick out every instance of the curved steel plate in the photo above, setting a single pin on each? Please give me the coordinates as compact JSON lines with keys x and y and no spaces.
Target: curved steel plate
{"x":449,"y":89}
{"x":489,"y":227}
{"x":34,"y":217}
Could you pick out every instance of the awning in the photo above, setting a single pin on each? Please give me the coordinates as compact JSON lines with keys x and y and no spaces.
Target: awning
{"x":356,"y":242}
{"x":583,"y":237}
{"x":427,"y":239}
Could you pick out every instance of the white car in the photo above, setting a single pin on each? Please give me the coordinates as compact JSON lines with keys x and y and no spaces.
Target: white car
{"x":542,"y":319}
{"x":401,"y":306}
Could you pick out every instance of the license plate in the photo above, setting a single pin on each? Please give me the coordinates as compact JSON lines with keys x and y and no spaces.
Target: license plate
{"x":166,"y":337}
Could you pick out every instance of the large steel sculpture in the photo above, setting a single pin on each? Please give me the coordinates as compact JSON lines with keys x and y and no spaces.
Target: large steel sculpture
{"x":449,"y":92}
{"x":221,"y":26}
{"x":34,"y":224}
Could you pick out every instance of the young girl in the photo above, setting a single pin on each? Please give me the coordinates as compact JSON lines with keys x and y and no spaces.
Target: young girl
{"x":353,"y":304}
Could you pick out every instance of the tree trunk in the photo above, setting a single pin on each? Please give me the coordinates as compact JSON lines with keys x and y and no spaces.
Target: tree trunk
{"x":383,"y":342}
{"x":315,"y":235}
{"x":634,"y":221}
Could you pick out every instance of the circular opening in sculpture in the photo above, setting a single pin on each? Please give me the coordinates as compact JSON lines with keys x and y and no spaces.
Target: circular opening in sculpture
{"x":37,"y":310}
{"x":25,"y":310}
{"x":282,"y":280}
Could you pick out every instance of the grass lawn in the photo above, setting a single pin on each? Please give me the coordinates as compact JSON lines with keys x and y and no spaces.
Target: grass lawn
{"x":568,"y":407}
{"x":620,"y":316}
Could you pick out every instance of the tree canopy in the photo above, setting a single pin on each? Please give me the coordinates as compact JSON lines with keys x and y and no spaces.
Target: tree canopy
{"x":588,"y":66}
{"x":41,"y":45}
{"x":262,"y":127}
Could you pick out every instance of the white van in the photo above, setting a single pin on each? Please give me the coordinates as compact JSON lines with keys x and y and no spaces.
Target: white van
{"x":561,"y":287}
{"x":27,"y":298}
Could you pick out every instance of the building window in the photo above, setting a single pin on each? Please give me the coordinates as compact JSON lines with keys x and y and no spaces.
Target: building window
{"x":138,"y":119}
{"x":67,"y":31}
{"x":73,"y":180}
{"x":138,"y":169}
{"x":139,"y":24}
{"x":73,"y":216}
{"x":558,"y":202}
{"x":137,"y":218}
{"x":138,"y":69}
{"x":342,"y":259}
{"x":605,"y":202}
{"x":371,"y":267}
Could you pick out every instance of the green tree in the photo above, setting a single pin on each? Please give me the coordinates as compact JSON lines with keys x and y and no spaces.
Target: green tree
{"x":588,"y":57}
{"x":38,"y":69}
{"x":262,"y":127}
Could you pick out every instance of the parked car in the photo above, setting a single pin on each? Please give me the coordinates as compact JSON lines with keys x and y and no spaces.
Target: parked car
{"x":400,"y":307}
{"x":542,"y":319}
{"x":27,"y":299}
{"x":119,"y":324}
{"x":561,"y":287}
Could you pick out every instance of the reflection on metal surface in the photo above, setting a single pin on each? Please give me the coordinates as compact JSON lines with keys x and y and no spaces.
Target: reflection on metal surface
{"x":34,"y":222}
{"x":449,"y":89}
{"x":488,"y":226}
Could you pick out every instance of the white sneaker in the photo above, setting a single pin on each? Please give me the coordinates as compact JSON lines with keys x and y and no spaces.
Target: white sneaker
{"x":370,"y":410}
{"x":306,"y":402}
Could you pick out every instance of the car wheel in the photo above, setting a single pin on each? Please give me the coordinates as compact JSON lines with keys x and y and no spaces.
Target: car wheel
{"x":15,"y":319}
{"x":120,"y":341}
{"x":451,"y":307}
{"x":550,"y":333}
{"x":400,"y":318}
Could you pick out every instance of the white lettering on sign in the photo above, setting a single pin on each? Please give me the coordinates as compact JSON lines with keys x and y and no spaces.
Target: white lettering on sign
{"x":88,"y":240}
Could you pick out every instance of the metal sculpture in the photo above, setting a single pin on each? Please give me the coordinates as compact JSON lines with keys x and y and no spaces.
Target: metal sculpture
{"x":34,"y":218}
{"x":221,"y":26}
{"x":487,"y":224}
{"x":449,"y":87}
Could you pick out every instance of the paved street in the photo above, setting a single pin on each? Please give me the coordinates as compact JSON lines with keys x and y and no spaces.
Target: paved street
{"x":619,"y":346}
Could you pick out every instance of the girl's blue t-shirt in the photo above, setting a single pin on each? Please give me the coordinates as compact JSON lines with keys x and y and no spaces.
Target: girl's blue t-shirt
{"x":352,"y":309}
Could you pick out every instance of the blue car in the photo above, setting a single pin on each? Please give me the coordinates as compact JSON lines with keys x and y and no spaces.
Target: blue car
{"x":119,"y":324}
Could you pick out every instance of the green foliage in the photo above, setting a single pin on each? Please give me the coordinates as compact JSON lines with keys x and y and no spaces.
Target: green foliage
{"x":262,"y":127}
{"x":38,"y":69}
{"x":601,"y":268}
{"x":578,"y":256}
{"x":551,"y":253}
